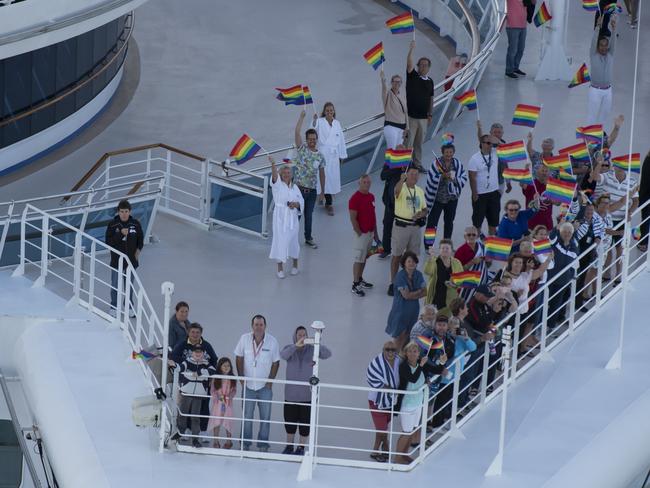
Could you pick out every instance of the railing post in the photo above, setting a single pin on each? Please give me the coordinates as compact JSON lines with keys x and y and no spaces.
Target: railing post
{"x":148,"y":168}
{"x":454,"y":430}
{"x":423,"y":422}
{"x":107,"y":176}
{"x":91,"y":276}
{"x":265,"y":203}
{"x":204,"y":204}
{"x":484,"y":376}
{"x":138,"y":315}
{"x":76,"y":281}
{"x":515,"y":343}
{"x":544,"y":355}
{"x":599,"y":277}
{"x":5,"y":228}
{"x":20,"y":270}
{"x":375,"y":153}
{"x":572,"y":305}
{"x":45,"y":242}
{"x":168,"y":172}
{"x":167,"y":290}
{"x":120,"y":286}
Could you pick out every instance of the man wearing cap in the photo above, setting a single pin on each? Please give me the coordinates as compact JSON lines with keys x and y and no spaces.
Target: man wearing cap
{"x":257,"y":356}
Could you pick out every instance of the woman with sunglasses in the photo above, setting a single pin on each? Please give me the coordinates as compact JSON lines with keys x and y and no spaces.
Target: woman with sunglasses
{"x":589,"y":185}
{"x":514,"y":224}
{"x":472,"y":256}
{"x":396,"y":120}
{"x":383,"y":373}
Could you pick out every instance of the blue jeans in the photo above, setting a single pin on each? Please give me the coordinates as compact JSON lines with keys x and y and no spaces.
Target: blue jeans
{"x":250,"y":400}
{"x":309,"y":195}
{"x":516,"y":45}
{"x":114,"y":275}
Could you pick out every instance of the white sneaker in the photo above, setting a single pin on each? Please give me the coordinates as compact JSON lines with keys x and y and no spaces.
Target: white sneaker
{"x":113,"y":312}
{"x":294,"y":271}
{"x":281,"y":274}
{"x":132,"y":314}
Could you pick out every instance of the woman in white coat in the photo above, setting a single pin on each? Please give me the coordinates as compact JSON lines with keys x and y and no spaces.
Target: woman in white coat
{"x":288,"y":203}
{"x":331,"y":144}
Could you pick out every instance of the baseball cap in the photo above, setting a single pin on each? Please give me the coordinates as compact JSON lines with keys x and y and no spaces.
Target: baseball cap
{"x":485,"y":290}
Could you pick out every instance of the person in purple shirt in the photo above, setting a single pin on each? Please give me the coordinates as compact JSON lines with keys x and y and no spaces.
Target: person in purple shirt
{"x":514,"y":224}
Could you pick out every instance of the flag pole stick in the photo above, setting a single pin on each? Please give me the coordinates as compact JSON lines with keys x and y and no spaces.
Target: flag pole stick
{"x":413,"y":24}
{"x":478,"y":114}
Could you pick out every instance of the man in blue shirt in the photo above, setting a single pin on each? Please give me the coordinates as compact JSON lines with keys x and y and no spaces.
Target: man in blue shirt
{"x":514,"y":224}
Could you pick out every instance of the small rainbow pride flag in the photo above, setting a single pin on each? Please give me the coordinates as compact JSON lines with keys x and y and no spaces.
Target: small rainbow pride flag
{"x":542,"y":16}
{"x":398,"y":158}
{"x":144,"y":355}
{"x":566,"y":176}
{"x":466,"y":279}
{"x":636,"y":233}
{"x":512,"y":152}
{"x":429,"y":236}
{"x":578,"y":152}
{"x":590,"y":133}
{"x":542,"y":246}
{"x":290,"y":96}
{"x":468,"y":99}
{"x":561,"y":161}
{"x":307,"y":95}
{"x":438,"y":345}
{"x":582,"y":75}
{"x":526,"y":115}
{"x":518,"y":175}
{"x":560,"y":191}
{"x":447,"y":138}
{"x":401,"y":24}
{"x":497,"y":248}
{"x":375,"y":56}
{"x":590,"y":5}
{"x":424,"y":342}
{"x":244,"y":149}
{"x":623,"y":162}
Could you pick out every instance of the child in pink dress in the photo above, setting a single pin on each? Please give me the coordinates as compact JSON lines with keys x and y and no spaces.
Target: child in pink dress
{"x":222,"y":392}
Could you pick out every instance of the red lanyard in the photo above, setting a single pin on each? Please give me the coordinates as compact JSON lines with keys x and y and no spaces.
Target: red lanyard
{"x":256,"y":351}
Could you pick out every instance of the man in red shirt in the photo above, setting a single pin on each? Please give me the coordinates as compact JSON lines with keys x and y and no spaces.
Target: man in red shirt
{"x":364,"y":223}
{"x":545,"y":214}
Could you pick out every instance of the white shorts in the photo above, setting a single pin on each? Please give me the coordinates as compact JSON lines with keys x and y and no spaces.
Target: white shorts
{"x":361,"y":244}
{"x":602,"y":250}
{"x":410,"y":419}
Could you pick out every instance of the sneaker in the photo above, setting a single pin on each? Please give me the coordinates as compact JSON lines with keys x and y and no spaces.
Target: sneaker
{"x":512,"y":75}
{"x":300,"y":451}
{"x":288,"y":450}
{"x":294,"y":271}
{"x":246,"y":448}
{"x":390,"y":290}
{"x":384,"y":255}
{"x":132,"y":314}
{"x":519,"y":72}
{"x":281,"y":274}
{"x":365,"y":284}
{"x":356,"y":289}
{"x":113,"y":312}
{"x":196,"y":443}
{"x":311,"y":243}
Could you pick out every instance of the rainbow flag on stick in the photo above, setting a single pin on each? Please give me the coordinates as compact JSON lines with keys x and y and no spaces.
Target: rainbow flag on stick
{"x":590,"y":5}
{"x":512,"y":152}
{"x":244,"y":149}
{"x":401,"y":24}
{"x":144,"y":355}
{"x":566,"y":176}
{"x":466,"y":279}
{"x":290,"y":96}
{"x":543,"y":246}
{"x":560,"y":191}
{"x":424,"y":342}
{"x":625,"y":162}
{"x":559,"y":162}
{"x":519,"y":175}
{"x":398,"y":158}
{"x":375,"y":56}
{"x":497,"y":248}
{"x":581,"y":76}
{"x":542,"y":16}
{"x":590,"y":133}
{"x":438,"y":345}
{"x":306,"y":93}
{"x":526,"y":115}
{"x":429,"y":236}
{"x":578,"y":152}
{"x":468,"y":99}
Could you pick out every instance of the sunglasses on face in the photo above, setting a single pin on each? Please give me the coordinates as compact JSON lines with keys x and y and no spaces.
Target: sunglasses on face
{"x":471,"y":235}
{"x":390,"y":349}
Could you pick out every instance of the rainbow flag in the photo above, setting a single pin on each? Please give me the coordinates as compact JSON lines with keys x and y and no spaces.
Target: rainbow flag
{"x":590,"y":133}
{"x":244,"y":149}
{"x":307,"y":95}
{"x":561,"y":161}
{"x":290,"y":96}
{"x":466,"y":279}
{"x":623,"y":162}
{"x":560,"y":191}
{"x":447,"y":138}
{"x":429,"y":236}
{"x":611,"y":8}
{"x":398,"y":158}
{"x":582,"y":75}
{"x":519,"y":175}
{"x":590,"y":5}
{"x":144,"y":355}
{"x":438,"y":345}
{"x":497,"y":248}
{"x":636,"y":233}
{"x":566,"y":176}
{"x":424,"y":342}
{"x":375,"y":56}
{"x":578,"y":152}
{"x":468,"y":99}
{"x":401,"y":24}
{"x":543,"y":246}
{"x":512,"y":152}
{"x":542,"y":16}
{"x":526,"y":115}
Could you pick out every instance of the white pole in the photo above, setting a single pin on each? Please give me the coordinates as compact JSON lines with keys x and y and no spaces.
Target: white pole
{"x":307,"y":465}
{"x":167,"y":289}
{"x":496,"y":468}
{"x":616,"y":359}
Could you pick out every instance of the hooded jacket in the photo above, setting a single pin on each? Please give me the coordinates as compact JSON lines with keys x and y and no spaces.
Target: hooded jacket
{"x":194,"y":378}
{"x":299,"y":368}
{"x":133,"y":241}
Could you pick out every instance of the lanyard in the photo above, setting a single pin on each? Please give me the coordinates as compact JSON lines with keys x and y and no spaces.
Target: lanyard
{"x":256,"y":351}
{"x":488,"y":165}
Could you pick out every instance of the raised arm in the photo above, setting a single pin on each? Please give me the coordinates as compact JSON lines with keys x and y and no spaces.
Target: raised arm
{"x":297,"y":137}
{"x":384,"y":90}
{"x":274,"y":170}
{"x":529,"y":144}
{"x":479,"y":130}
{"x":409,"y":57}
{"x":612,"y":38}
{"x":537,"y":273}
{"x":611,"y":137}
{"x":593,"y":49}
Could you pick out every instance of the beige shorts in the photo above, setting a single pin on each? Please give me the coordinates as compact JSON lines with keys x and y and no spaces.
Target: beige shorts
{"x":405,"y":239}
{"x":361,"y":244}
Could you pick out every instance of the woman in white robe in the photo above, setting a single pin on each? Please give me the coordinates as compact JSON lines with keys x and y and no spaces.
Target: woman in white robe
{"x":331,"y":143}
{"x":288,"y":203}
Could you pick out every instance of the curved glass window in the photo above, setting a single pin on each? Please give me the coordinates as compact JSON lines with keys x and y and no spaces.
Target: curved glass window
{"x":28,"y":81}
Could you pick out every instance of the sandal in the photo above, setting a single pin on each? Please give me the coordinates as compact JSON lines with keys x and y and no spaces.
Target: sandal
{"x":227,"y":445}
{"x":379,"y":457}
